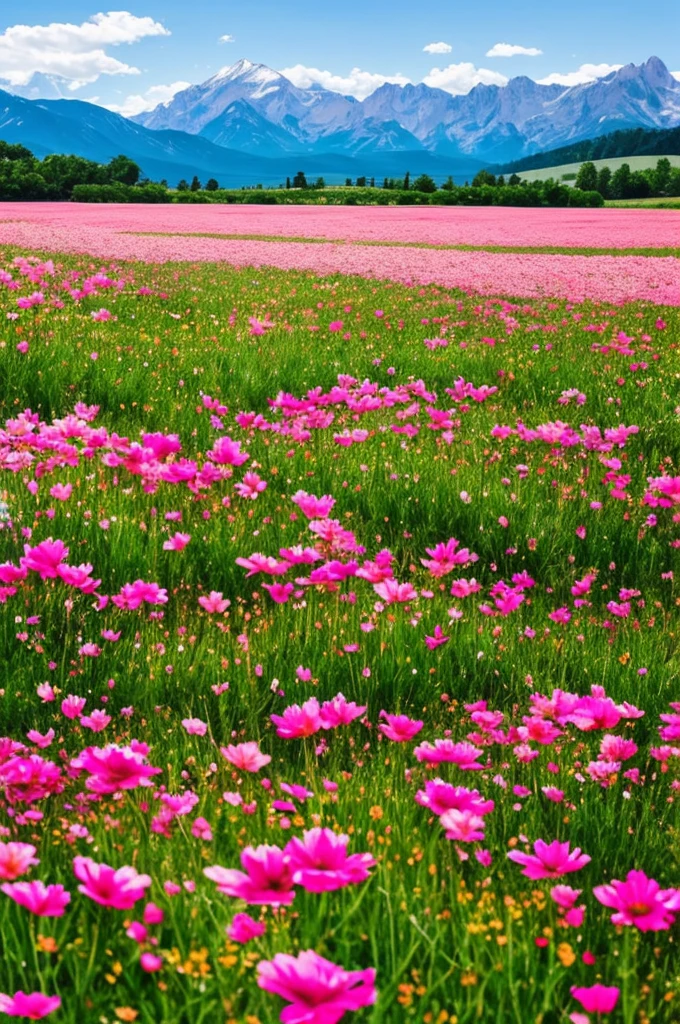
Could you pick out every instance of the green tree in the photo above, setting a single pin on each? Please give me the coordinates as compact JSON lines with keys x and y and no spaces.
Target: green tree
{"x":121,"y":168}
{"x":514,"y":179}
{"x":212,"y":185}
{"x":195,"y":184}
{"x":448,"y":185}
{"x":604,"y":182}
{"x":407,"y":181}
{"x":300,"y":181}
{"x":320,"y":183}
{"x":586,"y":179}
{"x":425,"y":183}
{"x":483,"y":177}
{"x":622,"y":184}
{"x":287,"y":182}
{"x":673,"y":187}
{"x":182,"y":185}
{"x":661,"y":176}
{"x":361,"y":182}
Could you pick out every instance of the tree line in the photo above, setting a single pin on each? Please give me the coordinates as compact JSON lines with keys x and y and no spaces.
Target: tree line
{"x":624,"y":142}
{"x":662,"y":180}
{"x":23,"y":177}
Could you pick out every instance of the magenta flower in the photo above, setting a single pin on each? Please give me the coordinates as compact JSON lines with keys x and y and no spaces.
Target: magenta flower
{"x":244,"y":929}
{"x":463,"y":826}
{"x":313,"y":507}
{"x":31,"y":1005}
{"x":114,"y":768}
{"x":298,"y":721}
{"x":42,"y":900}
{"x":597,"y":998}
{"x":319,"y":991}
{"x":214,"y":603}
{"x":393,"y":592}
{"x":266,"y":878}
{"x":251,"y":485}
{"x":640,"y":901}
{"x":150,"y":963}
{"x":279,"y":592}
{"x":177,"y":542}
{"x":44,"y":558}
{"x":340,"y":711}
{"x":550,"y":860}
{"x":195,"y":726}
{"x":109,"y":887}
{"x":399,"y":728}
{"x":16,"y":859}
{"x":463,"y":754}
{"x":319,"y":861}
{"x":246,"y":756}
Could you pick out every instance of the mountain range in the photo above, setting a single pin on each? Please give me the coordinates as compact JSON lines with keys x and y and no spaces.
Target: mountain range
{"x":250,"y":124}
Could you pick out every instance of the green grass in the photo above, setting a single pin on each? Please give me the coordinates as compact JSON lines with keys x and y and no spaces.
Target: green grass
{"x":450,"y":939}
{"x":527,"y":250}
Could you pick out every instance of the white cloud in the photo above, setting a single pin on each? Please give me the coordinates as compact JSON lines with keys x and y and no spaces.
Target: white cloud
{"x":357,"y":83}
{"x":508,"y":50}
{"x":586,"y":73}
{"x":226,"y":39}
{"x":77,"y":52}
{"x":676,"y":74}
{"x":458,"y":79}
{"x":437,"y":48}
{"x":138,"y":102}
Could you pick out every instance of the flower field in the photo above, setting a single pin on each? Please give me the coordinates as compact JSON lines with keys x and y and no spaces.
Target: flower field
{"x":339,"y":618}
{"x":571,"y":254}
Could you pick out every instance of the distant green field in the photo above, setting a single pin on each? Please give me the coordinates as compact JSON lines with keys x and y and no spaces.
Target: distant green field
{"x":636,"y":163}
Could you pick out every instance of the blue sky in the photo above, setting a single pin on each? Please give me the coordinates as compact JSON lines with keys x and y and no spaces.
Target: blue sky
{"x":133,"y":59}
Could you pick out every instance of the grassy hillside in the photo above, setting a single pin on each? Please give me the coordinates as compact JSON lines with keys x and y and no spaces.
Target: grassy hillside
{"x":636,"y":163}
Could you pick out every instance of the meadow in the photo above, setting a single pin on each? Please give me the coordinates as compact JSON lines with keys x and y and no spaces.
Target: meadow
{"x":339,"y":622}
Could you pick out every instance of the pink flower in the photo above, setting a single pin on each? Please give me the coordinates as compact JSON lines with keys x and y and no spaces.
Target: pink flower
{"x":597,"y":998}
{"x":227,"y":452}
{"x":214,"y":603}
{"x":150,"y":963}
{"x":439,"y":797}
{"x":550,"y":860}
{"x":101,"y":315}
{"x":313,"y":507}
{"x":640,"y":901}
{"x":246,"y":756}
{"x":279,"y":592}
{"x":97,"y":721}
{"x":44,"y":558}
{"x":244,"y":929}
{"x":298,"y":721}
{"x":61,"y":492}
{"x":177,"y":542}
{"x":267,"y":879}
{"x":42,"y":900}
{"x":399,"y":728}
{"x":319,"y":992}
{"x":340,"y":711}
{"x":463,"y":826}
{"x":250,"y":486}
{"x":437,"y":640}
{"x":109,"y":887}
{"x":195,"y":727}
{"x":463,"y":754}
{"x":393,"y":592}
{"x":16,"y":859}
{"x":72,"y":706}
{"x":319,"y":861}
{"x":33,"y":1005}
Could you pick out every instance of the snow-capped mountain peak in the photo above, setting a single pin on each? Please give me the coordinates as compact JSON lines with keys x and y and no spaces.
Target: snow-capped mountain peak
{"x":492,"y":123}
